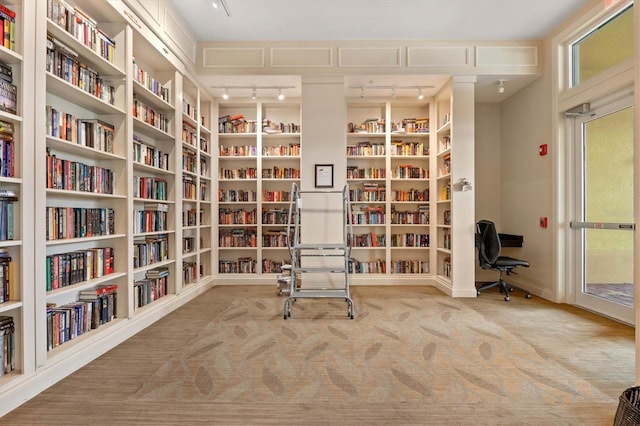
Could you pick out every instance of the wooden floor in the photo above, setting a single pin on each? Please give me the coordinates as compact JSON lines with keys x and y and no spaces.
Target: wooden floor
{"x":112,"y":389}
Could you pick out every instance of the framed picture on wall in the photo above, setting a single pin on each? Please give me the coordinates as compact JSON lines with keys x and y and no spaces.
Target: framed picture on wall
{"x":324,"y":176}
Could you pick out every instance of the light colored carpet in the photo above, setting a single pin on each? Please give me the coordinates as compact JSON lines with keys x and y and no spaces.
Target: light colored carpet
{"x":404,"y":345}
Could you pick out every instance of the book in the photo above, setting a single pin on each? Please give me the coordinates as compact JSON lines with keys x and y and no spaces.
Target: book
{"x":8,"y":97}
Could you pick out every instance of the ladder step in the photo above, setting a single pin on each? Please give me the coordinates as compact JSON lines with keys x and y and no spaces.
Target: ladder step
{"x":320,"y":269}
{"x":320,"y":293}
{"x":320,"y":246}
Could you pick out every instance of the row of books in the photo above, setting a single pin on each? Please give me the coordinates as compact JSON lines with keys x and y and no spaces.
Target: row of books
{"x":189,"y":134}
{"x":369,"y":240}
{"x":281,"y":173}
{"x":65,"y":269}
{"x":365,"y":149}
{"x":400,"y":148}
{"x":355,"y":172}
{"x":410,"y":125}
{"x":150,"y":83}
{"x":409,"y":240}
{"x":242,"y":265}
{"x":272,"y":266}
{"x":146,"y":114}
{"x":275,"y":216}
{"x":94,"y":307}
{"x":190,"y":272}
{"x":154,"y":286}
{"x":7,"y":209}
{"x":76,"y":176}
{"x":275,"y":196}
{"x":66,"y":64}
{"x":413,"y":266}
{"x":189,"y":188}
{"x":152,"y":218}
{"x":7,"y":150}
{"x":420,"y":217}
{"x":82,"y":27}
{"x":367,"y":194}
{"x":244,"y":173}
{"x":237,"y":217}
{"x":370,"y":125}
{"x":292,"y":150}
{"x":377,"y":266}
{"x":363,"y":215}
{"x":7,"y":345}
{"x":150,"y":250}
{"x":189,"y":109}
{"x":271,"y":127}
{"x":410,"y":195}
{"x":7,"y":290}
{"x":8,"y":25}
{"x":150,"y":188}
{"x":238,"y":151}
{"x":79,"y":222}
{"x":238,"y":237}
{"x":89,"y":132}
{"x":192,"y":217}
{"x":144,"y":153}
{"x":189,"y":161}
{"x":236,"y":124}
{"x":407,"y":171}
{"x":236,"y":196}
{"x":274,"y":238}
{"x":189,"y":244}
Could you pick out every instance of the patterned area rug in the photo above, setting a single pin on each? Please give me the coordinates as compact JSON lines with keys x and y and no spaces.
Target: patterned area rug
{"x":407,"y":344}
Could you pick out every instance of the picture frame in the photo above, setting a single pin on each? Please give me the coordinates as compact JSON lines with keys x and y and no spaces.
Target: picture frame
{"x":324,"y":175}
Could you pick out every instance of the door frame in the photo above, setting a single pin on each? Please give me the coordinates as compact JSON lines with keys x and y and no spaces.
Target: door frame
{"x":587,"y":301}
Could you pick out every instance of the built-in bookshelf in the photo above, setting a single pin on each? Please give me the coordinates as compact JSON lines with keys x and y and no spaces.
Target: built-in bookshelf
{"x":16,"y":193}
{"x":84,"y":157}
{"x":444,"y":225}
{"x":91,"y":191}
{"x":259,"y":151}
{"x":388,"y":172}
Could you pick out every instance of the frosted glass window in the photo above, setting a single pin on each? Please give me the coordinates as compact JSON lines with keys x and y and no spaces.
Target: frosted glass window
{"x":603,"y":47}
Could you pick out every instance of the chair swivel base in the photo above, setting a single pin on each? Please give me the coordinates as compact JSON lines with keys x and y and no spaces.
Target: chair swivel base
{"x":504,"y":289}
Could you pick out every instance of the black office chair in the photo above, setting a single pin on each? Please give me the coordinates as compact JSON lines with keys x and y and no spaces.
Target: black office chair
{"x":489,"y":247}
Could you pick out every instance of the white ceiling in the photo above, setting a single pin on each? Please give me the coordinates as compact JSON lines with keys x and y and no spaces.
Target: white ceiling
{"x":284,"y":20}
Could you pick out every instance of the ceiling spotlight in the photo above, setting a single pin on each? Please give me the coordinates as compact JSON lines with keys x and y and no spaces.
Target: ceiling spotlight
{"x":225,"y":95}
{"x":393,"y":92}
{"x":214,"y":3}
{"x":280,"y":95}
{"x":362,"y":94}
{"x":420,"y":94}
{"x":501,"y":86}
{"x":253,"y":94}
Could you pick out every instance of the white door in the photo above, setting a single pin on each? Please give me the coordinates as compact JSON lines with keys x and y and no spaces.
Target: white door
{"x":603,"y":225}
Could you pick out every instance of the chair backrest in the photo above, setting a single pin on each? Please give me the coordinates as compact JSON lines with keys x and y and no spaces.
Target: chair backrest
{"x":488,"y":243}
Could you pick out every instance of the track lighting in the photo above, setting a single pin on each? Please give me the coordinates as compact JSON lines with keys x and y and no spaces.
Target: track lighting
{"x":251,"y":91}
{"x":394,"y":89}
{"x":214,"y":3}
{"x":420,"y":95}
{"x":501,"y":86}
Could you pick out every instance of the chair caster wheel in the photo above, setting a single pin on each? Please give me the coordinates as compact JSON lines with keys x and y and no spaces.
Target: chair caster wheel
{"x":511,"y":289}
{"x":506,"y":299}
{"x":478,"y":292}
{"x":528,"y":296}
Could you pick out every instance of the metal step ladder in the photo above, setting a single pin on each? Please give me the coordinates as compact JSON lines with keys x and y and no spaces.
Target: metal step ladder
{"x":319,"y":257}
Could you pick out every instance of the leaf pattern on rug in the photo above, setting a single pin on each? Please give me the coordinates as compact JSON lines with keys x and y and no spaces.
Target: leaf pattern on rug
{"x":261,"y":349}
{"x":410,"y":382}
{"x":338,"y":333}
{"x":317,"y":350}
{"x":429,"y":351}
{"x":342,"y":382}
{"x":272,"y":381}
{"x":289,"y":333}
{"x":549,"y":381}
{"x":205,"y":349}
{"x":387,"y":333}
{"x":239,"y":332}
{"x":484,"y":332}
{"x":486,"y":351}
{"x":435,"y":333}
{"x":204,"y":381}
{"x":372,"y":351}
{"x":480,"y":382}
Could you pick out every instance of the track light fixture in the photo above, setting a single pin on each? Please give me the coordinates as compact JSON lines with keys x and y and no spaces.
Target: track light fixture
{"x":214,"y":3}
{"x":501,"y":86}
{"x":252,"y":90}
{"x":394,"y":89}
